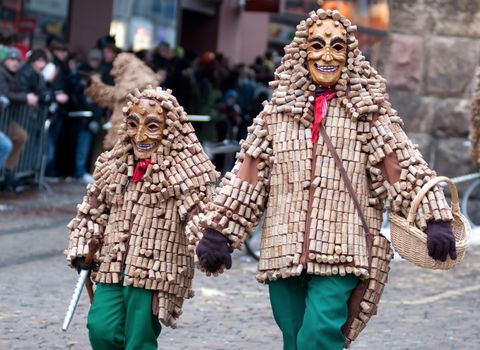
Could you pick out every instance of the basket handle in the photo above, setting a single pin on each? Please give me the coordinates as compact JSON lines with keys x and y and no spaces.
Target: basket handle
{"x":427,"y":187}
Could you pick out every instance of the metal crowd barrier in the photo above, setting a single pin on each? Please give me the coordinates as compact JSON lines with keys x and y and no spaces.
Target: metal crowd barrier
{"x":33,"y":159}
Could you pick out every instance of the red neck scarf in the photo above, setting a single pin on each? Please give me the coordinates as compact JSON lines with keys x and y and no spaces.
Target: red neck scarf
{"x":320,"y":110}
{"x":140,"y":169}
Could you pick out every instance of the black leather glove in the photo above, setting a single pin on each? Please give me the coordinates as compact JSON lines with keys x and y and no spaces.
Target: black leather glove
{"x":214,"y":251}
{"x":79,"y":264}
{"x":440,"y":240}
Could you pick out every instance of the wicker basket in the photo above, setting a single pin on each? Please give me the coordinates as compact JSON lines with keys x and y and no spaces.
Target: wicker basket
{"x":411,"y":242}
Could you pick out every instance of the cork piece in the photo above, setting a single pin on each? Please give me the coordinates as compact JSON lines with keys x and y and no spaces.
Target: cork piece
{"x":475,"y":123}
{"x":141,"y":225}
{"x":311,"y":223}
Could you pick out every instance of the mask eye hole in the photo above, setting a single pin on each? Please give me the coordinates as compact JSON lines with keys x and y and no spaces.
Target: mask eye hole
{"x":132,"y":124}
{"x":338,"y":47}
{"x":317,"y":46}
{"x":153,"y":127}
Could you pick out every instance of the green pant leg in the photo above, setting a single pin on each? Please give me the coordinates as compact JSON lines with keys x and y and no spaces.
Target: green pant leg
{"x":106,"y":318}
{"x":287,"y":298}
{"x":142,"y":327}
{"x":326,"y":312}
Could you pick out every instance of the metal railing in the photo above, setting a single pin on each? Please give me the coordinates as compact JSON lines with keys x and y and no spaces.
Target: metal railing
{"x":33,"y":158}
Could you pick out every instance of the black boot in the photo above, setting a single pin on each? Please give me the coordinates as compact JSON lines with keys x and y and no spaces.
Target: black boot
{"x":11,"y":184}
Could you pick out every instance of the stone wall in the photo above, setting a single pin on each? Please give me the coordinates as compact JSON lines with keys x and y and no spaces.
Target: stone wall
{"x":429,"y":58}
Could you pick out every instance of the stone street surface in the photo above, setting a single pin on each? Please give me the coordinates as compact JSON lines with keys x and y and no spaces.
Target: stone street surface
{"x":421,"y":310}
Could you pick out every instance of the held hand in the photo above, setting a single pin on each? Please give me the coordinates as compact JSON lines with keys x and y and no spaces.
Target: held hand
{"x":61,"y":98}
{"x":214,"y":251}
{"x":32,"y":99}
{"x":95,"y":78}
{"x":440,"y":240}
{"x":79,"y":264}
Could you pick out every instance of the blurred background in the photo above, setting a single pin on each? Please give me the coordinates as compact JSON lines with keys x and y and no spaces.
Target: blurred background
{"x":218,"y":57}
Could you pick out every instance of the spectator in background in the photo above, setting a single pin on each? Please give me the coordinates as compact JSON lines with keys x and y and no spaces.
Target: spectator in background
{"x":246,"y":95}
{"x":232,"y":113}
{"x":5,"y":43}
{"x":162,"y":56}
{"x":162,"y":76}
{"x":184,"y":86}
{"x":21,"y":41}
{"x":5,"y":143}
{"x":5,"y":148}
{"x":58,"y":84}
{"x":10,"y":88}
{"x":31,"y":79}
{"x":87,"y":114}
{"x":109,"y":53}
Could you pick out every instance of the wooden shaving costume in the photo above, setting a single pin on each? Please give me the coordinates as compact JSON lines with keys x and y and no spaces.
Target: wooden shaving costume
{"x":129,"y":73}
{"x":311,"y":225}
{"x":141,"y":225}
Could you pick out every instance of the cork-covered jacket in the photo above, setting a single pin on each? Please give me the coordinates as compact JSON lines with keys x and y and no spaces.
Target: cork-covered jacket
{"x":141,"y":225}
{"x":310,"y":220}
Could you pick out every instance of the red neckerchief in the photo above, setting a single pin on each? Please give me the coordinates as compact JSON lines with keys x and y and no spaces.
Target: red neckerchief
{"x":140,"y":168}
{"x":320,"y":110}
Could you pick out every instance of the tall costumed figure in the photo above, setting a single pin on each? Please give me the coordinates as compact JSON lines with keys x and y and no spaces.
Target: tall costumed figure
{"x":320,"y":162}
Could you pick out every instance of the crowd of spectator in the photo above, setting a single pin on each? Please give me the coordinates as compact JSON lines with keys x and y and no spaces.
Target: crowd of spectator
{"x":53,"y":79}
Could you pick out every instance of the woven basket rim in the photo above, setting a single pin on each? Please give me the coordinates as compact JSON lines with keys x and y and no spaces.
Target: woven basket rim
{"x":412,"y":230}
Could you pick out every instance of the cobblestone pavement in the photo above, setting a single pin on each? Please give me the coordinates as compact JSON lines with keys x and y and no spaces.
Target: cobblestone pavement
{"x":426,"y":310}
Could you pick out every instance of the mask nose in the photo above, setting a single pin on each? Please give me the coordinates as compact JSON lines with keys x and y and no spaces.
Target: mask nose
{"x":140,"y":137}
{"x":327,"y":57}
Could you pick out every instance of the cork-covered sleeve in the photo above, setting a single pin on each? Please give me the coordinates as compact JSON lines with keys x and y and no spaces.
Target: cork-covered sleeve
{"x":398,"y":171}
{"x":196,"y":173}
{"x":239,"y":201}
{"x":101,"y":93}
{"x":90,"y":221}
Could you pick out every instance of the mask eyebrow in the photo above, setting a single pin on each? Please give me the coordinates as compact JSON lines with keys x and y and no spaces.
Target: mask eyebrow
{"x":133,"y":117}
{"x":153,"y":119}
{"x":337,"y":39}
{"x":317,"y":38}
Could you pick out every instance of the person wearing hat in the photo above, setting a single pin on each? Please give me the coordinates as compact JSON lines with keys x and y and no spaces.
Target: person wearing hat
{"x":11,"y":89}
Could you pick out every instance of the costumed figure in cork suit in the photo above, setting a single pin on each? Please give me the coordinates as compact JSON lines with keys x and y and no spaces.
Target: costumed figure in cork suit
{"x":129,"y":73}
{"x":146,"y":188}
{"x":475,"y":124}
{"x":314,"y":250}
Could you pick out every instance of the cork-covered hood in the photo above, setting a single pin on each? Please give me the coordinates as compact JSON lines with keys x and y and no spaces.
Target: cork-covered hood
{"x":176,"y":165}
{"x":360,"y":87}
{"x":129,"y":73}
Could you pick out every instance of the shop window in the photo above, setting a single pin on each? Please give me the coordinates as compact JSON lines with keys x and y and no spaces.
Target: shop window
{"x":371,"y":17}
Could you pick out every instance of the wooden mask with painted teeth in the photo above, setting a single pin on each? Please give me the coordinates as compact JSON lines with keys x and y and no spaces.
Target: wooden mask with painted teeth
{"x":326,"y":51}
{"x":145,"y":126}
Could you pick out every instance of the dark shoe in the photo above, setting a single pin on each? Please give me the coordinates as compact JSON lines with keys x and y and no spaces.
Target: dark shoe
{"x":11,"y":185}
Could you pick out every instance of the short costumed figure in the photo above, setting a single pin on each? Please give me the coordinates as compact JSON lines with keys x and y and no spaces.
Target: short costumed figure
{"x":475,"y":123}
{"x":129,"y":72}
{"x":327,"y":102}
{"x":145,"y":190}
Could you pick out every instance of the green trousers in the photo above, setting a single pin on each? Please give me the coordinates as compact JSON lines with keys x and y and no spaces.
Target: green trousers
{"x":121,"y":318}
{"x":311,"y":310}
